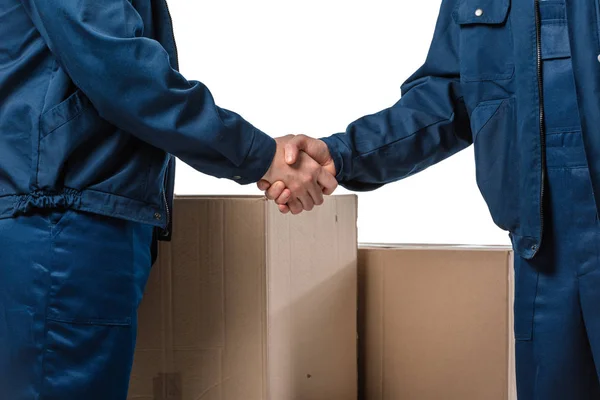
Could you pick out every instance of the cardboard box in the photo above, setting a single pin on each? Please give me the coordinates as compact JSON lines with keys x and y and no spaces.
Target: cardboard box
{"x":248,"y":304}
{"x":435,"y":323}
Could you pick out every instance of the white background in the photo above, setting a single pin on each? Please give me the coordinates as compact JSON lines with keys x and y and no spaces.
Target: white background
{"x":313,"y":67}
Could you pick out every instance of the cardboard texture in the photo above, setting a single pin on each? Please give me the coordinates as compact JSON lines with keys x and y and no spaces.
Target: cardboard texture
{"x":248,"y":304}
{"x":435,"y":323}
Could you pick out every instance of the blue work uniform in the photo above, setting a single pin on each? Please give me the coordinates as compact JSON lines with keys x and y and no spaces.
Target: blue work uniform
{"x":519,"y":79}
{"x":557,"y":306}
{"x":93,"y":111}
{"x":70,"y":284}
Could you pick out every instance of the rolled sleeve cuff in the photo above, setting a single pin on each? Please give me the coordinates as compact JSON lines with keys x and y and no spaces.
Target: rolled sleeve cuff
{"x":341,"y":155}
{"x":258,"y":160}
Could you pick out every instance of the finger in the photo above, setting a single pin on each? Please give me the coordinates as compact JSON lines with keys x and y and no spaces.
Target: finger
{"x":283,"y":208}
{"x":307,"y":202}
{"x":327,"y":182}
{"x":316,"y":194}
{"x":275,"y":190}
{"x":263,"y":185}
{"x":329,"y":166}
{"x":284,"y":197}
{"x":315,"y":148}
{"x":310,"y":193}
{"x":295,"y":206}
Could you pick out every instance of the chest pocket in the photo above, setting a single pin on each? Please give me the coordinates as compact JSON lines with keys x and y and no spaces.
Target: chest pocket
{"x":486,"y":42}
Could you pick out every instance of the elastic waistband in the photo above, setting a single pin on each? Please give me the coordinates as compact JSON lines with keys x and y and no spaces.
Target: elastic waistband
{"x":107,"y":204}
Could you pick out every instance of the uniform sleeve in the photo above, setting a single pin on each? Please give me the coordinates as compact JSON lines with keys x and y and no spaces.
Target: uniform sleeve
{"x":131,"y":83}
{"x":428,"y":124}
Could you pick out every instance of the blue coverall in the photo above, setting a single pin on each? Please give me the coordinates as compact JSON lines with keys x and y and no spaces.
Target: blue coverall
{"x":524,"y":76}
{"x":558,"y":302}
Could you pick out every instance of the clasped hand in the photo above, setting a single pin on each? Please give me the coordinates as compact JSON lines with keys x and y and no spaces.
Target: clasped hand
{"x":302,"y":172}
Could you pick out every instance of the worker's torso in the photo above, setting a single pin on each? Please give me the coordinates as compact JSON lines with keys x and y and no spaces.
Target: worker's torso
{"x":55,"y":150}
{"x":505,"y":50}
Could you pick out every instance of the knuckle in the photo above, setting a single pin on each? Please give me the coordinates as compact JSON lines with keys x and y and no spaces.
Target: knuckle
{"x":307,"y":178}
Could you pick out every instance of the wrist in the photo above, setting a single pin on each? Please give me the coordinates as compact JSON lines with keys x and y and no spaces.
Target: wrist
{"x":335,"y":165}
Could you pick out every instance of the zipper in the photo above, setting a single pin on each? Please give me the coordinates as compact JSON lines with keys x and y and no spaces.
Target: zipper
{"x":540,"y":79}
{"x":166,"y":232}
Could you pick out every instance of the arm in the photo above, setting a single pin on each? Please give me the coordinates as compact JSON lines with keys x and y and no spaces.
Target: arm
{"x":427,"y":125}
{"x":131,"y":83}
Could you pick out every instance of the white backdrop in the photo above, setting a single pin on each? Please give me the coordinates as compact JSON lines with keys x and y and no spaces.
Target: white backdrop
{"x":314,"y":66}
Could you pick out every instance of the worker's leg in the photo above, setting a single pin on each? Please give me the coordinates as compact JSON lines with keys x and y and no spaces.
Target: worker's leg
{"x":70,"y":285}
{"x":589,"y":294}
{"x":554,"y":359}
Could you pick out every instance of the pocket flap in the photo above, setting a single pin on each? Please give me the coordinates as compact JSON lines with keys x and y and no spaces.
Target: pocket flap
{"x":481,"y":12}
{"x":555,"y":40}
{"x":62,"y":113}
{"x":482,"y":114}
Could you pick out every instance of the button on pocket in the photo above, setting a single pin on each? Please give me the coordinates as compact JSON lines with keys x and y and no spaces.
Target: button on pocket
{"x":486,"y":43}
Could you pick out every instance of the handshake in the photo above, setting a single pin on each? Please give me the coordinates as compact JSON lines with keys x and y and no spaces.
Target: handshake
{"x":302,"y":171}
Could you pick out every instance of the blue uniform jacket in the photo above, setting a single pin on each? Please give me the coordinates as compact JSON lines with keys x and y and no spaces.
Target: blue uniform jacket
{"x":481,"y":84}
{"x":92,"y":109}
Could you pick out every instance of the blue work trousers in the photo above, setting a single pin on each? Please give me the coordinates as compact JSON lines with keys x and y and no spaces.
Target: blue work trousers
{"x":557,"y":294}
{"x":70,"y":285}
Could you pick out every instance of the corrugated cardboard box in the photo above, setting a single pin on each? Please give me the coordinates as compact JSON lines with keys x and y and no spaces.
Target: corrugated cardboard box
{"x":435,"y":323}
{"x":249,"y":304}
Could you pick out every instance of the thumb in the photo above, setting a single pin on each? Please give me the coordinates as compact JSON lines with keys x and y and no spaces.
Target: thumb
{"x":315,"y":148}
{"x":293,"y":148}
